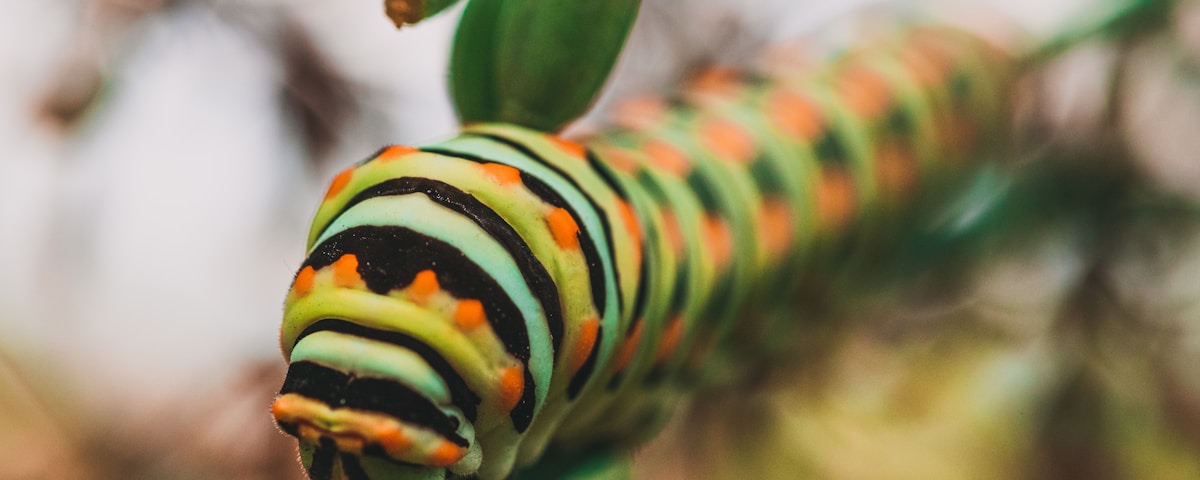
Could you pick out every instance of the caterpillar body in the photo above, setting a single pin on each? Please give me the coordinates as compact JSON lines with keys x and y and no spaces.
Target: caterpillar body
{"x":467,"y":305}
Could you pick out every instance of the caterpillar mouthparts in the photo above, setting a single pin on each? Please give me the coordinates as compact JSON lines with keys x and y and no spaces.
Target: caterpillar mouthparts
{"x":363,"y":392}
{"x":359,"y":432}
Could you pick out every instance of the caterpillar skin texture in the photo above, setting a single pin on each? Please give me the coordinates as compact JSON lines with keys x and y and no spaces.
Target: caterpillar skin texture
{"x":465,"y":306}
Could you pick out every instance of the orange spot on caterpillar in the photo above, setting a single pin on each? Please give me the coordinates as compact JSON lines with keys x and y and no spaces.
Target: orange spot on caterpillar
{"x":667,"y":158}
{"x":775,"y":227}
{"x":283,"y":409}
{"x":392,"y":439}
{"x":424,"y":285}
{"x":564,"y":228}
{"x":339,"y":183}
{"x":584,"y":343}
{"x":673,"y":232}
{"x":303,"y":283}
{"x":572,"y":147}
{"x":795,"y":115}
{"x":445,"y":454}
{"x":619,"y":159}
{"x":719,"y":239}
{"x":512,"y":385}
{"x":632,"y":226}
{"x":897,"y":168}
{"x":626,"y":353}
{"x":865,"y":91}
{"x":729,"y":141}
{"x":502,"y":174}
{"x":717,"y":82}
{"x":670,"y":340}
{"x":928,"y":72}
{"x":345,"y":271}
{"x":395,"y":152}
{"x":835,"y":200}
{"x":640,"y":113}
{"x":469,"y":314}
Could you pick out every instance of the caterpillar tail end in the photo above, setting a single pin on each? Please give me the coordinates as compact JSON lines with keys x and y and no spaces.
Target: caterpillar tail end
{"x":355,"y":421}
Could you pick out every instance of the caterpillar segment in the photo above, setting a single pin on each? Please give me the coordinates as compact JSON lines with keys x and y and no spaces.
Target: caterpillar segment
{"x":468,"y":306}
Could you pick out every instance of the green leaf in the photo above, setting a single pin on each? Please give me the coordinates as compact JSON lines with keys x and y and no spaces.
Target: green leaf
{"x":536,"y":63}
{"x":472,"y":70}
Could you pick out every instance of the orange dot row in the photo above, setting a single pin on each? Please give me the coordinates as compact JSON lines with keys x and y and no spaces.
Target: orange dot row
{"x":502,"y":174}
{"x":564,"y":228}
{"x":729,"y":140}
{"x":345,"y":271}
{"x":512,"y":385}
{"x":424,"y":285}
{"x":342,"y":179}
{"x":586,"y":341}
{"x":345,"y":274}
{"x":719,"y":238}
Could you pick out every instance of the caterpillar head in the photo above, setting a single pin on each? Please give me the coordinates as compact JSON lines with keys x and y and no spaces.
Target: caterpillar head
{"x":416,"y":329}
{"x":364,"y":393}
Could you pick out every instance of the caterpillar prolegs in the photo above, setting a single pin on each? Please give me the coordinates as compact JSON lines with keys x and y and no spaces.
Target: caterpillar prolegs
{"x":466,"y":305}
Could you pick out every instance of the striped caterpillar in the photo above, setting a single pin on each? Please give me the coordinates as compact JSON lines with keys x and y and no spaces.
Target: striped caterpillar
{"x":468,"y":306}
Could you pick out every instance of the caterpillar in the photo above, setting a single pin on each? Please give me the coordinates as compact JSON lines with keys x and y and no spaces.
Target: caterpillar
{"x":469,"y":305}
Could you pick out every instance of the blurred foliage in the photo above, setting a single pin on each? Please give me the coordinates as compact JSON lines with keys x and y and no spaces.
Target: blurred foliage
{"x":48,"y":431}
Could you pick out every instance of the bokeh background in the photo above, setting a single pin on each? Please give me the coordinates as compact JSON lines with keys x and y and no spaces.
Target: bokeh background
{"x":161,"y":160}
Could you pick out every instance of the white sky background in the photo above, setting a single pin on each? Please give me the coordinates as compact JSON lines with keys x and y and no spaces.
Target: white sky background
{"x":151,"y":247}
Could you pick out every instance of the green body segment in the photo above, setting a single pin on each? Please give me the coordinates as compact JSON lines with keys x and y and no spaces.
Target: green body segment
{"x":562,"y":296}
{"x":367,"y":359}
